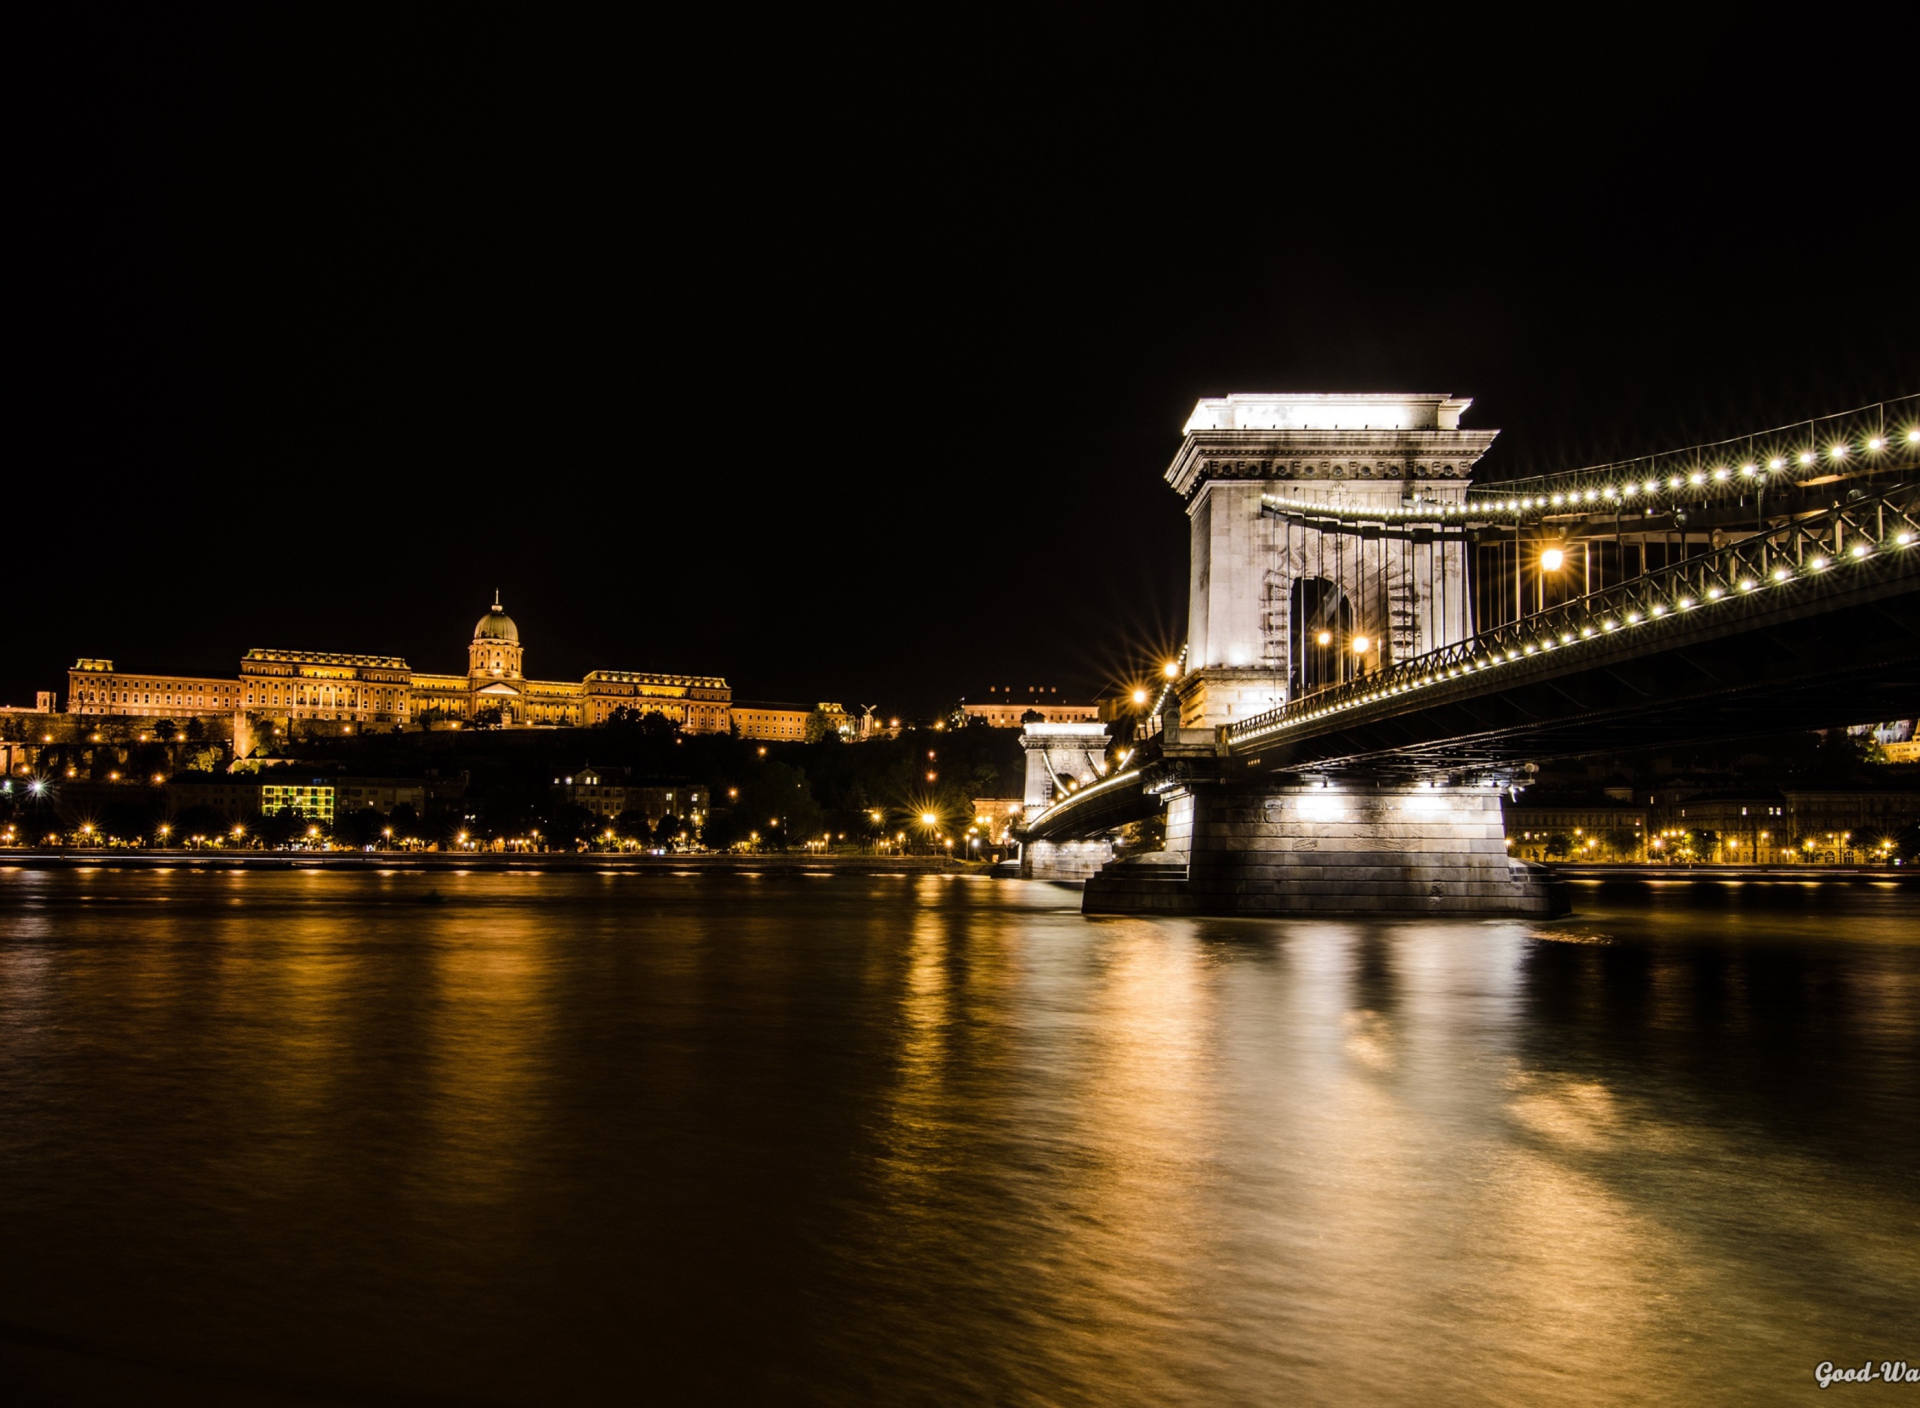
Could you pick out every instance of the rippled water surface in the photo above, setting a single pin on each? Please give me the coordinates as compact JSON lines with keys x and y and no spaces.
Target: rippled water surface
{"x":301,"y":1137}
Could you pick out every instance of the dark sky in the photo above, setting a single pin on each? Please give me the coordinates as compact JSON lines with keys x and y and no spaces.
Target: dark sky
{"x":846,"y":362}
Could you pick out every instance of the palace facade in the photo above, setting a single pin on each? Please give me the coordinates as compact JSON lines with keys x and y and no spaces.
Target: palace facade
{"x":384,"y":690}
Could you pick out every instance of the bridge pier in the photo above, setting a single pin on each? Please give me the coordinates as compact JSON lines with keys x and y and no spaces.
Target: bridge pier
{"x":1310,"y":847}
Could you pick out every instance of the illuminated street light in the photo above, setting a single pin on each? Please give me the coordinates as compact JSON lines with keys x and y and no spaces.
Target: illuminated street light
{"x":1139,"y":696}
{"x":1361,"y":645}
{"x":1170,"y":669}
{"x":1553,"y":559}
{"x":928,"y":819}
{"x":1324,"y":638}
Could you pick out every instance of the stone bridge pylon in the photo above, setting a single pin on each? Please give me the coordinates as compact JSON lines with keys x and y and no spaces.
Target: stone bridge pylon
{"x":1279,"y":608}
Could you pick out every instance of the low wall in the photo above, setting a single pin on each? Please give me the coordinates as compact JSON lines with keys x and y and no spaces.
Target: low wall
{"x":1063,"y":860}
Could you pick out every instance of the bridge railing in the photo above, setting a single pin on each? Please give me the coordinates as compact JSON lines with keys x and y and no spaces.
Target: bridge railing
{"x":1864,"y":535}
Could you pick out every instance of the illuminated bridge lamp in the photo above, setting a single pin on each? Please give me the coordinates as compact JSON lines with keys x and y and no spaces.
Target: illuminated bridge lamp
{"x":1139,"y":696}
{"x":1324,"y":638}
{"x":1361,"y":645}
{"x":1553,"y":559}
{"x":1170,"y":669}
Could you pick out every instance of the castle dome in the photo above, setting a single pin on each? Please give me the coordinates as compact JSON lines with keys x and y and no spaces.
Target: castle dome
{"x":497,"y":625}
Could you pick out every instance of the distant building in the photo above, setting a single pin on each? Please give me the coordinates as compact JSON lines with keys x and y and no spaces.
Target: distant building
{"x":1845,"y":824}
{"x":1574,"y":828}
{"x":381,"y":794}
{"x":95,"y":687}
{"x":317,"y":684}
{"x":760,"y":718}
{"x":238,"y":796}
{"x":313,"y":798}
{"x":1006,"y":708}
{"x":43,"y":703}
{"x":606,"y":792}
{"x":1745,"y":828}
{"x":1805,"y":825}
{"x":385,"y":690}
{"x":235,"y":796}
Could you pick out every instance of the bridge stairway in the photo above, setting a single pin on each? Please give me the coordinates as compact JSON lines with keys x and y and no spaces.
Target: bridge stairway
{"x":1155,"y":883}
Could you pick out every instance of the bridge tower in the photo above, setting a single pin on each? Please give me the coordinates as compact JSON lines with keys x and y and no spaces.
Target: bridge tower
{"x":1276,"y":607}
{"x":1307,"y":569}
{"x":1060,"y":758}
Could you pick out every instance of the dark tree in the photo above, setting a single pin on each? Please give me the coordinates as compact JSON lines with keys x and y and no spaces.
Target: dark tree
{"x":569,"y":826}
{"x":276,"y":828}
{"x":208,"y":823}
{"x":360,"y":828}
{"x":774,"y":801}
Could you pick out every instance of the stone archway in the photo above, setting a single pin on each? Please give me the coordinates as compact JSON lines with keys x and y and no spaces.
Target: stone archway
{"x":1320,"y":617}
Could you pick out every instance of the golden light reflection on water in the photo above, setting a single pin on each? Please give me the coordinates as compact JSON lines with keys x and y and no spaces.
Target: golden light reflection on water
{"x":488,"y":1041}
{"x":949,"y":1140}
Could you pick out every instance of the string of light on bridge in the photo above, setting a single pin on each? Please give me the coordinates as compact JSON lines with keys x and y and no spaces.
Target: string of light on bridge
{"x":1598,"y":626}
{"x":1624,"y":491}
{"x":1622,"y":486}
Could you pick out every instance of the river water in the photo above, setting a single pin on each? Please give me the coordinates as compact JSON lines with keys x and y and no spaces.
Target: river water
{"x":305,"y":1138}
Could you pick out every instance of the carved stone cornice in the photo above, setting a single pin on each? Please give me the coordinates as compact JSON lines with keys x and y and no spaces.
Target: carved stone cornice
{"x":1395,"y":455}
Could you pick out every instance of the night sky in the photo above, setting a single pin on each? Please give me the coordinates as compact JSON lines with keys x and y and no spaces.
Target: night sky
{"x":844,"y":362}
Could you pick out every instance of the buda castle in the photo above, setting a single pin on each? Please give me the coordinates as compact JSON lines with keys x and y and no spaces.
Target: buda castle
{"x":382,"y":690}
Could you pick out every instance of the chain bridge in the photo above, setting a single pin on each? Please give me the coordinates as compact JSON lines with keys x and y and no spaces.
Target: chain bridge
{"x":1378,"y":649}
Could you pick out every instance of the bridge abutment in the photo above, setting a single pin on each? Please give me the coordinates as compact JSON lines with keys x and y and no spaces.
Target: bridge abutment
{"x":1064,"y":860}
{"x":1334,"y":848}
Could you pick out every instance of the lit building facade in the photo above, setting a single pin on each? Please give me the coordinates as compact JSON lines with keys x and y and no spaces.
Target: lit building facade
{"x":384,"y":690}
{"x":310,"y":799}
{"x":789,"y":723}
{"x":783,"y":723}
{"x":1004,"y":708}
{"x":316,"y":684}
{"x":95,"y":687}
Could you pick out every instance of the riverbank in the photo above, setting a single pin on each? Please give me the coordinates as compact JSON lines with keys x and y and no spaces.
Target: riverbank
{"x":487,"y":861}
{"x":1775,"y":874}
